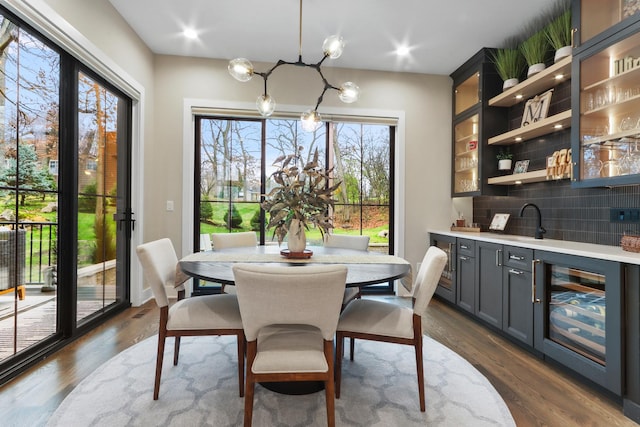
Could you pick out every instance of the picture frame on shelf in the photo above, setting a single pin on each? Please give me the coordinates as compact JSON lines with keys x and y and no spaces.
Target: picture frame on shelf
{"x":536,"y":108}
{"x":499,"y":222}
{"x":521,"y":166}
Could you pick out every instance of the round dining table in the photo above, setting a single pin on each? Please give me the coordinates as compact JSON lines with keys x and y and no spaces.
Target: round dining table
{"x":363,"y":268}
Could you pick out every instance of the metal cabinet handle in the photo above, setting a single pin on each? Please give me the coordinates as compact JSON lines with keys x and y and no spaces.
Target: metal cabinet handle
{"x":464,"y":258}
{"x":534,"y":300}
{"x":498,"y":257}
{"x":464,"y":247}
{"x":516,"y":272}
{"x":453,"y":264}
{"x":516,"y":257}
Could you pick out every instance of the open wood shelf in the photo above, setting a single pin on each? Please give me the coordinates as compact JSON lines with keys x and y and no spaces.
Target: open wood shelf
{"x":534,"y":85}
{"x":521,"y":178}
{"x":539,"y":128}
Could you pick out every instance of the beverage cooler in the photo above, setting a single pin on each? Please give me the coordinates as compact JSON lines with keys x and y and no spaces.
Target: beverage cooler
{"x":578,"y":312}
{"x":447,"y":283}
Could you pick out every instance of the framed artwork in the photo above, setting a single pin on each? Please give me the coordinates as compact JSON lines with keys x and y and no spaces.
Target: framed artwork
{"x":536,"y":108}
{"x":521,"y":166}
{"x":499,"y":222}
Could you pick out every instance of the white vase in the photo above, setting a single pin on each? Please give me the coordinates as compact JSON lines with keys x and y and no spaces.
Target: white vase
{"x":296,"y":238}
{"x":535,"y":68}
{"x":504,"y":164}
{"x":563,"y":52}
{"x":509,"y":83}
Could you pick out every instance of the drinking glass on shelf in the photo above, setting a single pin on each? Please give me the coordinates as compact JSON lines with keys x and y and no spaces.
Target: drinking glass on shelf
{"x":627,"y":123}
{"x":600,"y":98}
{"x":588,"y":103}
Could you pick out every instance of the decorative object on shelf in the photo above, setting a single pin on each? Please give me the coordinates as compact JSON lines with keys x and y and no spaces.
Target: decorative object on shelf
{"x":630,"y":243}
{"x":303,"y":194}
{"x":521,"y":166}
{"x":499,"y":222}
{"x":630,"y":7}
{"x":558,"y":30}
{"x":536,"y":108}
{"x":504,"y":157}
{"x":509,"y":63}
{"x":559,"y":165}
{"x":242,"y":70}
{"x":535,"y":47}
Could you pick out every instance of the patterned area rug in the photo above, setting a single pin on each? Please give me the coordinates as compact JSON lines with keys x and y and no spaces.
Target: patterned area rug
{"x":379,"y":389}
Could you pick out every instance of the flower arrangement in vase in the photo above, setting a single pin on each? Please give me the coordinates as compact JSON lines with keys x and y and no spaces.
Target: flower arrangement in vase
{"x":302,"y":197}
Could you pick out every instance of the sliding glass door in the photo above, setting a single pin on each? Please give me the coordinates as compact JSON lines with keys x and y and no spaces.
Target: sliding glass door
{"x":65,"y":208}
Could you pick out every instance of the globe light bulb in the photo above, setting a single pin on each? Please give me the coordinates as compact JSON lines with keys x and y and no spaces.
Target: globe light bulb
{"x":349,"y":92}
{"x":311,"y":121}
{"x":240,"y":69}
{"x":333,"y":46}
{"x":266,"y":105}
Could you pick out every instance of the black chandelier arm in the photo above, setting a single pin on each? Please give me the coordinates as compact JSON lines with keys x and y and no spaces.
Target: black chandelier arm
{"x":300,"y":63}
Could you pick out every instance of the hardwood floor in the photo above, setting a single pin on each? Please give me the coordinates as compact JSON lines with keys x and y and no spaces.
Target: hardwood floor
{"x":537,"y":393}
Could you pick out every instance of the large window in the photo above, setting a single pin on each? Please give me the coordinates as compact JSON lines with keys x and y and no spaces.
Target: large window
{"x":234,"y":161}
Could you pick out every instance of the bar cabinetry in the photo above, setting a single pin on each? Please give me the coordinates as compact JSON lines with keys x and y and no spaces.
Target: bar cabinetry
{"x":473,"y":123}
{"x":606,"y":93}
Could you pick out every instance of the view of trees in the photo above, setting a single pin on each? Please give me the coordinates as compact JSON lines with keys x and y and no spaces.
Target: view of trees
{"x":231,"y":166}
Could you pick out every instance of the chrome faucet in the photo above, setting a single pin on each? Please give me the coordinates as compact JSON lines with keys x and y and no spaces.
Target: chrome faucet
{"x":540,"y":229}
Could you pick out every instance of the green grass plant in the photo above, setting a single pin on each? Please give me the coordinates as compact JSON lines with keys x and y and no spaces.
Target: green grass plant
{"x":509,"y":63}
{"x":535,"y":48}
{"x":558,"y":31}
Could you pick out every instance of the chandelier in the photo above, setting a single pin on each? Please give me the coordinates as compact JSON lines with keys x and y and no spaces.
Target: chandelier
{"x":242,"y":70}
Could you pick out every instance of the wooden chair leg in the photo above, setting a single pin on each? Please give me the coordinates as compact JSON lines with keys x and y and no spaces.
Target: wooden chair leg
{"x":352,"y":345}
{"x":250,"y":385}
{"x":419,"y":366}
{"x":329,"y":385}
{"x":241,"y":349}
{"x":338,"y":365}
{"x":159,"y":359}
{"x":176,"y":351}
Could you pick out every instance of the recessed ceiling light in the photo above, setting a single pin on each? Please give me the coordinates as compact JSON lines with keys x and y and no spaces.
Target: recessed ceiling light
{"x":519,"y":96}
{"x":403,"y":50}
{"x":559,"y":76}
{"x":558,"y":126}
{"x":190,"y":33}
{"x":518,"y":138}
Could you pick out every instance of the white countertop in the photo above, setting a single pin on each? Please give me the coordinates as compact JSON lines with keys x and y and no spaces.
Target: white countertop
{"x":611,"y":253}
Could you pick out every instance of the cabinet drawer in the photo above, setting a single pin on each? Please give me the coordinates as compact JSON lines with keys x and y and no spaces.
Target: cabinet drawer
{"x":517,"y":257}
{"x":466,"y":247}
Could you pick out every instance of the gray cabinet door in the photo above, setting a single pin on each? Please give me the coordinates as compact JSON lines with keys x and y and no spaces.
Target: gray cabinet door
{"x":465,"y":296}
{"x":488,"y":304}
{"x":517,"y":315}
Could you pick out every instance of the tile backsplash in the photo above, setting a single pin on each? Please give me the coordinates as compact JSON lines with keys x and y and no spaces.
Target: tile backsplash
{"x":576,"y":214}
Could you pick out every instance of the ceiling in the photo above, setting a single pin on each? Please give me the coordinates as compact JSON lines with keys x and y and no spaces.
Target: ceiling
{"x":441,"y":35}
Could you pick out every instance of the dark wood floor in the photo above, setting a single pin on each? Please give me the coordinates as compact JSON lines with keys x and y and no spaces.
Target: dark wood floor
{"x":537,"y":393}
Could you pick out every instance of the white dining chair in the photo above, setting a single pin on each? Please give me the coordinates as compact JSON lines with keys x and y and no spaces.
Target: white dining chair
{"x":233,"y":240}
{"x":347,"y":241}
{"x":289,"y":316}
{"x":202,"y":315}
{"x":387,"y":322}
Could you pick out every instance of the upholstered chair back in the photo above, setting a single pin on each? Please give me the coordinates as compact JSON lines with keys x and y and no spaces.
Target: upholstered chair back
{"x":360,"y":243}
{"x":159,"y":262}
{"x":427,"y":278}
{"x":234,"y":240}
{"x":312,"y":296}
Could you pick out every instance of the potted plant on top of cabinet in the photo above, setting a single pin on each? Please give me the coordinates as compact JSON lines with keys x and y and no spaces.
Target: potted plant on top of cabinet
{"x":535,"y":48}
{"x":558,"y":30}
{"x":509,"y":64}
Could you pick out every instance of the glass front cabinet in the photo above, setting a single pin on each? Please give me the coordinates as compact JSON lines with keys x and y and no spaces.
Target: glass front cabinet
{"x":474,"y":122}
{"x":606,"y":133}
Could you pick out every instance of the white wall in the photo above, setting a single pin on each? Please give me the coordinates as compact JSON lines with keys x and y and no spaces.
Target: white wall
{"x":167,"y":81}
{"x":424,"y":99}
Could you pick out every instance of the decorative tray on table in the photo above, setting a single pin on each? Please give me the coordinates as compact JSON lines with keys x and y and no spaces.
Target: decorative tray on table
{"x":307,"y":253}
